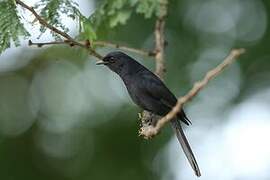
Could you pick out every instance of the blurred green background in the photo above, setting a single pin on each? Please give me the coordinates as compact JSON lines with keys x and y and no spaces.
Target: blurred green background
{"x":64,"y":118}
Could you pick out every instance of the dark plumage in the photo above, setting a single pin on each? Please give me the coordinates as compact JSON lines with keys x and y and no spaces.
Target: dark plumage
{"x":151,"y":94}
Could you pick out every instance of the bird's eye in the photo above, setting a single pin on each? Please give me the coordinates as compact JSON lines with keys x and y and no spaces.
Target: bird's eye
{"x":111,"y":59}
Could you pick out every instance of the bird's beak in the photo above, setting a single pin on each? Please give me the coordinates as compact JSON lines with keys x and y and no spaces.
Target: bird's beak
{"x":102,"y":62}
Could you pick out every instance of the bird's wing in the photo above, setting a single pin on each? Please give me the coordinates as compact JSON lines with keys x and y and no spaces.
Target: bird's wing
{"x":154,"y":87}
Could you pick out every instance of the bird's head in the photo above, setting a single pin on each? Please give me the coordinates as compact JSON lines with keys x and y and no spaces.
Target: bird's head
{"x":119,"y":62}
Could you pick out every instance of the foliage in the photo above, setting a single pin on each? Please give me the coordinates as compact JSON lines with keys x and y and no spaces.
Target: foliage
{"x":86,"y":29}
{"x":108,"y":15}
{"x":113,"y":13}
{"x":10,"y":26}
{"x":51,"y":11}
{"x":150,"y":7}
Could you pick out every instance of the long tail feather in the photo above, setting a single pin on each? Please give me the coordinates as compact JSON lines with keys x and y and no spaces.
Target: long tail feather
{"x":185,"y":146}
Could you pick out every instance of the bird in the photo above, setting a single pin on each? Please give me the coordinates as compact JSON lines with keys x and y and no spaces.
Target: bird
{"x":149,"y":92}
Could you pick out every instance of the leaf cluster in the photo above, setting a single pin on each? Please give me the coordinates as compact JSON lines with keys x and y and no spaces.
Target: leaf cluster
{"x":11,"y":27}
{"x":51,"y":11}
{"x":113,"y":13}
{"x":109,"y":14}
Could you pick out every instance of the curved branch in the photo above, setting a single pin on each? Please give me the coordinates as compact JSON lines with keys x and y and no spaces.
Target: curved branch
{"x":151,"y":131}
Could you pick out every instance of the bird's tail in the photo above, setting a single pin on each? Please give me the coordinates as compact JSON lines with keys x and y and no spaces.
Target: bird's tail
{"x":185,"y":146}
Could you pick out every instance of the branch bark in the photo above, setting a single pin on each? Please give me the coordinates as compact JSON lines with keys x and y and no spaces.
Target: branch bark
{"x":150,"y":131}
{"x":160,"y":47}
{"x":97,"y":43}
{"x":125,"y":48}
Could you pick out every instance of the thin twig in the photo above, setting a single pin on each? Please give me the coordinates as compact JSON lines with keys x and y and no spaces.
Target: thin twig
{"x":69,"y":40}
{"x":41,"y":44}
{"x":151,"y":131}
{"x":125,"y":48}
{"x":160,"y":46}
{"x":97,"y":43}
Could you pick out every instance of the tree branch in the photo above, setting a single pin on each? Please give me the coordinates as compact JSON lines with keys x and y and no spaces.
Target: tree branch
{"x":41,"y":44}
{"x":57,"y":31}
{"x":97,"y":43}
{"x":160,"y":47}
{"x":151,"y":131}
{"x":125,"y":48}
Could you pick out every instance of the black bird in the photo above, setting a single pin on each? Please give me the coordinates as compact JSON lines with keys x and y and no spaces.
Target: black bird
{"x":151,"y":94}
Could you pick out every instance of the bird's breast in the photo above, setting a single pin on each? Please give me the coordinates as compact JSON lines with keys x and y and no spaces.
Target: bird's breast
{"x":133,"y":88}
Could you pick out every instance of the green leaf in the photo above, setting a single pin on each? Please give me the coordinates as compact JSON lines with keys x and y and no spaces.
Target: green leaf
{"x":150,"y":7}
{"x":147,"y":7}
{"x":11,"y":28}
{"x":87,"y":31}
{"x":120,"y":18}
{"x":113,"y":13}
{"x":51,"y":10}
